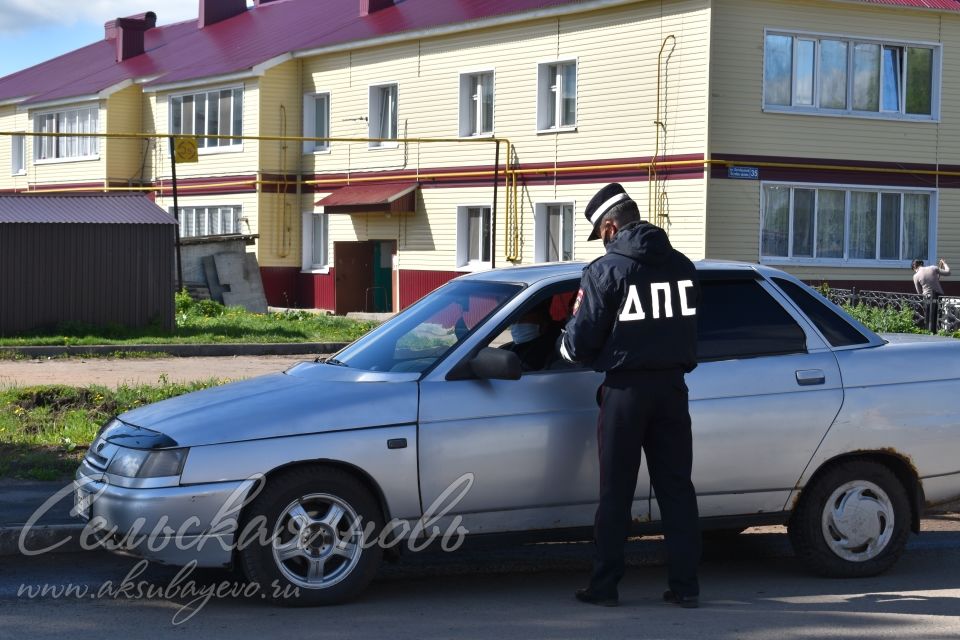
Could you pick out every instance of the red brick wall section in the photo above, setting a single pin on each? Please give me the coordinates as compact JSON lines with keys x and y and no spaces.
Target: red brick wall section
{"x":280,"y":286}
{"x":287,"y":287}
{"x":416,"y":284}
{"x":317,"y":290}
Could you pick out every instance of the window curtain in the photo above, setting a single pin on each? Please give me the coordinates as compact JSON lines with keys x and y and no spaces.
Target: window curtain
{"x":830,"y":223}
{"x":863,"y":225}
{"x":776,"y":219}
{"x":916,"y":229}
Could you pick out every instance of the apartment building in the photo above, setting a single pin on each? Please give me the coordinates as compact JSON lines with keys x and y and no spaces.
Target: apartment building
{"x":456,"y":136}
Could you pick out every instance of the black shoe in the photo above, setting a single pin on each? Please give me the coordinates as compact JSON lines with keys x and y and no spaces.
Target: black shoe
{"x":585,"y":595}
{"x":687,"y":602}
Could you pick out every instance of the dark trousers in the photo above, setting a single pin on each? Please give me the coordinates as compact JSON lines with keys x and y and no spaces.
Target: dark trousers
{"x":646,"y":411}
{"x":931,"y":312}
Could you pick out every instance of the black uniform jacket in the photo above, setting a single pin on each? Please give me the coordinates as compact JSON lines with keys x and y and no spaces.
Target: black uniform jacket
{"x":637,"y":306}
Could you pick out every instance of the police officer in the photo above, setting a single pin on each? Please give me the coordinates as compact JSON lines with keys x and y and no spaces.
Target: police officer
{"x":635,"y":320}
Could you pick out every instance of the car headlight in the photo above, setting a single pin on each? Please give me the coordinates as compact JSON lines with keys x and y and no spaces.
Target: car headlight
{"x":140,"y":463}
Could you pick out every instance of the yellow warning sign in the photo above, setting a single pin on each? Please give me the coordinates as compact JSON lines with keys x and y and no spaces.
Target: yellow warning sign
{"x":185,"y":149}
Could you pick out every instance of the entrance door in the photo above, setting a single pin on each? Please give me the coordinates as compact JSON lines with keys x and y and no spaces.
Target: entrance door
{"x":353,"y":265}
{"x":380,"y":297}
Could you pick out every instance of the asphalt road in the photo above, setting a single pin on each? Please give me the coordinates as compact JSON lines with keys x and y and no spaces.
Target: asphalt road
{"x":753,"y":588}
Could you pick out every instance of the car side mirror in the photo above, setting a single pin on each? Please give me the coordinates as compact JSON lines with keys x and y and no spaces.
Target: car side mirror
{"x":488,"y":364}
{"x":496,"y":364}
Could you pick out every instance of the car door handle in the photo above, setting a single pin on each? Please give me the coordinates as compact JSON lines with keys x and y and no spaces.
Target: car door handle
{"x":807,"y":377}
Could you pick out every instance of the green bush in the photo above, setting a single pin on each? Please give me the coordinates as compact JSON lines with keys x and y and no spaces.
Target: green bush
{"x":884,"y":319}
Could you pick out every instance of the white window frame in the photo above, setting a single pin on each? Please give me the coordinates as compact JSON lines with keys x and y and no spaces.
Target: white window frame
{"x":310,"y":122}
{"x":18,"y":155}
{"x":790,"y":260}
{"x":311,"y":218}
{"x":373,"y":115}
{"x":850,"y":112}
{"x":540,"y":222}
{"x":233,"y":147}
{"x":551,"y":90}
{"x":463,"y":238}
{"x":184,"y":209}
{"x":56,"y":113}
{"x":470,"y":129}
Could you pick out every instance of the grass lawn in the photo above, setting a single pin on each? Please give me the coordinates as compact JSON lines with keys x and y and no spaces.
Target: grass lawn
{"x":207,"y":322}
{"x":45,"y":430}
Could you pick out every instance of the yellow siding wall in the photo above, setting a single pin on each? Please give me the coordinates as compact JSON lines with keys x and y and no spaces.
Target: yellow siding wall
{"x":125,"y":156}
{"x":281,"y":106}
{"x":428,"y":239}
{"x":617,"y":54}
{"x":616,"y":51}
{"x":12,"y":120}
{"x":738,"y":124}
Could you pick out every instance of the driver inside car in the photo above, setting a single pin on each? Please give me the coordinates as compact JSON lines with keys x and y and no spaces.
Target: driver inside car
{"x":534,"y":336}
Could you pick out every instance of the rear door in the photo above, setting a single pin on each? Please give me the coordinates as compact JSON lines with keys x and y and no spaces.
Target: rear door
{"x":764,"y":394}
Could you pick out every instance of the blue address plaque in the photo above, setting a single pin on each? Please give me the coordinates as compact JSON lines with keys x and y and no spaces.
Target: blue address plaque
{"x":743,"y":173}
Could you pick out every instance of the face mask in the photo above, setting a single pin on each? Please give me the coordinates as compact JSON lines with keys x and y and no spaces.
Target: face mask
{"x":524,"y":332}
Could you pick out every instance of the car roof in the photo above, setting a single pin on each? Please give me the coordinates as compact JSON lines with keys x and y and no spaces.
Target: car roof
{"x":529,"y":275}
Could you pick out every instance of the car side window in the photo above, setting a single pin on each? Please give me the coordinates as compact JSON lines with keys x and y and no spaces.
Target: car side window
{"x":740,"y":319}
{"x":532,"y":332}
{"x":834,"y":328}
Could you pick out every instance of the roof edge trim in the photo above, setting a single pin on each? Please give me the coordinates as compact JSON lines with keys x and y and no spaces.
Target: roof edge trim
{"x":894,"y":7}
{"x":11,"y":101}
{"x":459,"y":27}
{"x":59,"y":102}
{"x":257,"y":71}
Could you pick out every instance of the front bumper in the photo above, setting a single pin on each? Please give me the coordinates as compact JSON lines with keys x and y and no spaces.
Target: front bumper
{"x":170,"y":525}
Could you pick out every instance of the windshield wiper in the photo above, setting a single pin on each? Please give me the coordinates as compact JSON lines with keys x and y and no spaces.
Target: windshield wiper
{"x":335,"y":362}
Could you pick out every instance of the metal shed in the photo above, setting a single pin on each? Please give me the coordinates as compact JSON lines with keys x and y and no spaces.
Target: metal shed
{"x":88,"y":259}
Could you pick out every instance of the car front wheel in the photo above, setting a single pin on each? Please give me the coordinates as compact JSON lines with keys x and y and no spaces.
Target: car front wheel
{"x":852,"y":521}
{"x":319,"y":544}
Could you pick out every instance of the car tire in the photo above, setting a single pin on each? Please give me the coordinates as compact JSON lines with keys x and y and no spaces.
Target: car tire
{"x":852,"y":521}
{"x":319,"y":546}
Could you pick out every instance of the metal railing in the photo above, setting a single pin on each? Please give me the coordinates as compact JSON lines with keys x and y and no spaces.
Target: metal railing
{"x":949,"y":307}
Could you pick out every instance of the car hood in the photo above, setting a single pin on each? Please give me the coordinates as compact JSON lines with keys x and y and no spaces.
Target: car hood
{"x":309,"y":398}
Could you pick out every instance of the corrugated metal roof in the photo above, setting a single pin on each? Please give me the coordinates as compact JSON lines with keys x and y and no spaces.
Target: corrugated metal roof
{"x":367,"y":194}
{"x":182,"y":52}
{"x":81,"y":209}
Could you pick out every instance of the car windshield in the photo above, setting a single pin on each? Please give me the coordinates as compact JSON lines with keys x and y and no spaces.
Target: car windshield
{"x":423,"y":334}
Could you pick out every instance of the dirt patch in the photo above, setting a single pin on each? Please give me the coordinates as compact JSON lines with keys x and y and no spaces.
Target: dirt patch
{"x":79,"y":372}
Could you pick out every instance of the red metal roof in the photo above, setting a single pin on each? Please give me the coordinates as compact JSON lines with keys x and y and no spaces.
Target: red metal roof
{"x":82,"y":209}
{"x":367,"y":195}
{"x":940,"y":5}
{"x":182,"y":52}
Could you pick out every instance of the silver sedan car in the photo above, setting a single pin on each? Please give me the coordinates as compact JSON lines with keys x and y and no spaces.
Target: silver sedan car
{"x":439,"y":425}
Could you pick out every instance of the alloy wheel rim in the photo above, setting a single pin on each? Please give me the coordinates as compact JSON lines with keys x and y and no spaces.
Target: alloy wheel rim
{"x":317,"y":541}
{"x":858,"y":521}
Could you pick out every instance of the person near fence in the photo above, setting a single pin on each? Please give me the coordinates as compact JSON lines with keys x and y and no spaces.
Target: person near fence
{"x":926,"y":280}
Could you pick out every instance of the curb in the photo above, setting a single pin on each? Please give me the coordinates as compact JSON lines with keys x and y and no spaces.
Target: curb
{"x":41,"y":537}
{"x":182,"y":350}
